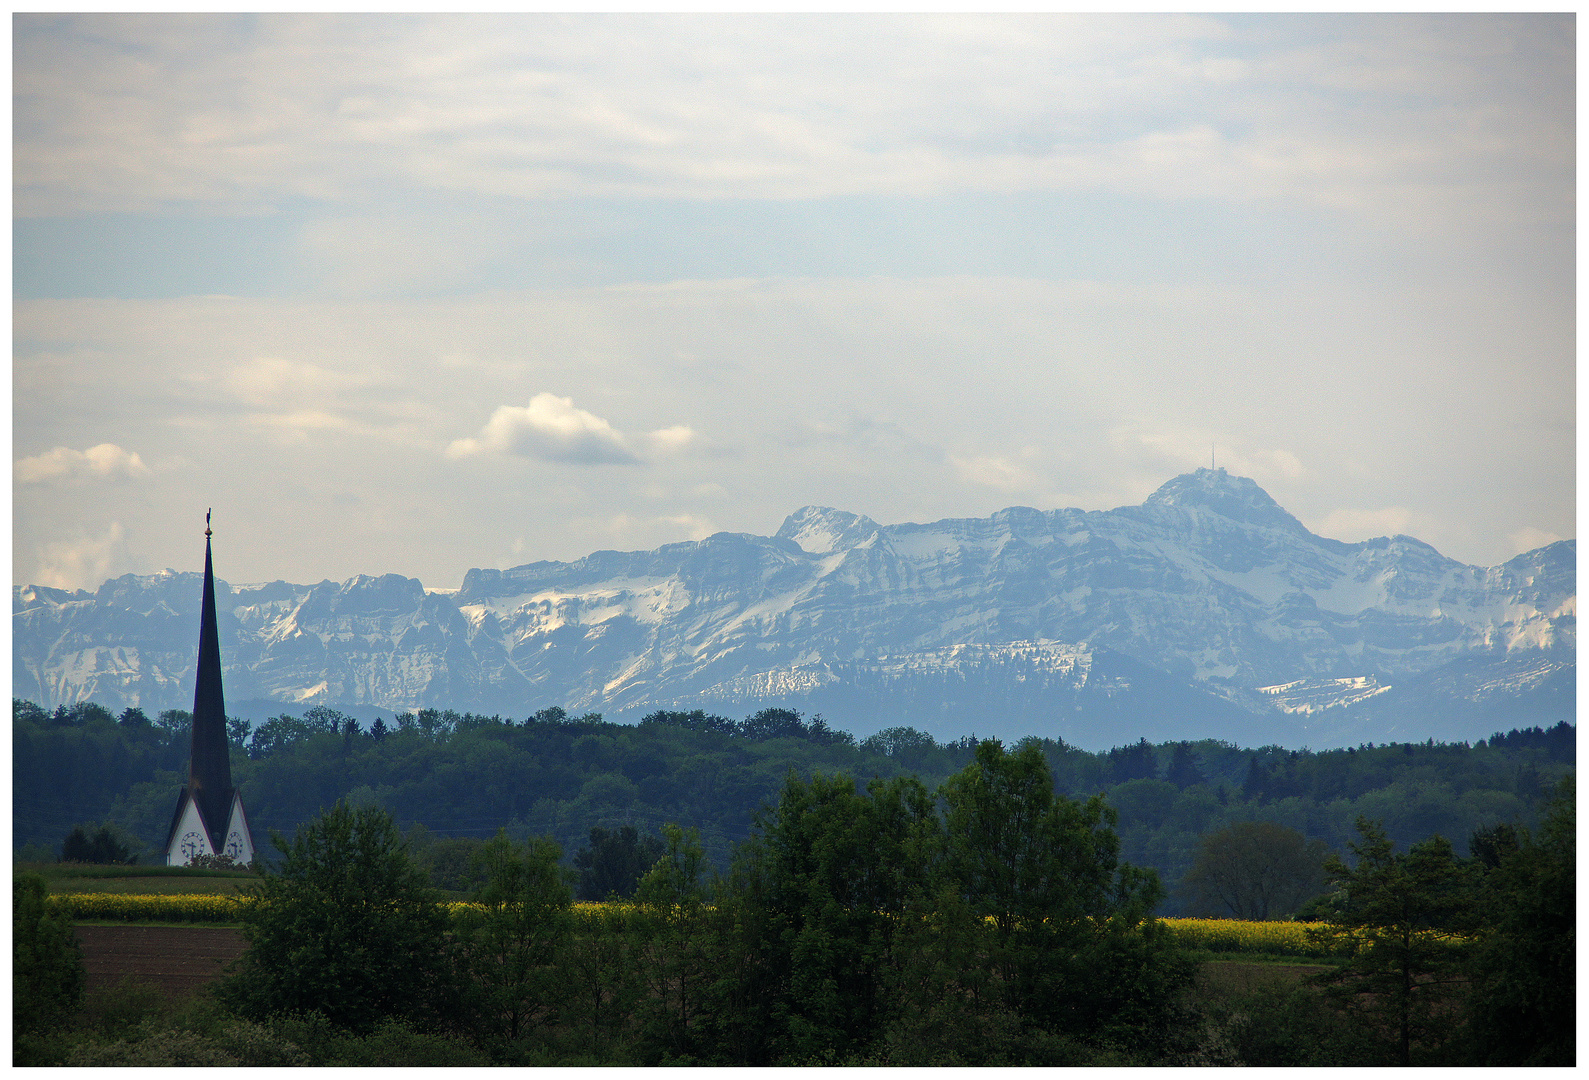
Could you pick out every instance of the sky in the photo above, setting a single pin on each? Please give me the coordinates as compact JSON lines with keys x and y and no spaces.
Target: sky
{"x":416,"y":294}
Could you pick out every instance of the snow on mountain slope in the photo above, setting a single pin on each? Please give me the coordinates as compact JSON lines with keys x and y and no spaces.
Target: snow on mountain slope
{"x":1208,"y":580}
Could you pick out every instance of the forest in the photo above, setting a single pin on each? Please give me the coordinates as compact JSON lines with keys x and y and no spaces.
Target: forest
{"x":988,"y":921}
{"x":451,"y":781}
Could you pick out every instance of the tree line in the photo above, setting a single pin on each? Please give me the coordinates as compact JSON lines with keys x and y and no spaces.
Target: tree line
{"x":989,"y":921}
{"x":452,"y":780}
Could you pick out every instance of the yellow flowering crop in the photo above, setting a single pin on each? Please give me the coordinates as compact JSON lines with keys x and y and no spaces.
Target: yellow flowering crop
{"x":150,"y":907}
{"x":1246,"y":936}
{"x":1214,"y":935}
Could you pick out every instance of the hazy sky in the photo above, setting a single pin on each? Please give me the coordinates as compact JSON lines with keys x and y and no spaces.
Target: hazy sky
{"x":417,"y":294}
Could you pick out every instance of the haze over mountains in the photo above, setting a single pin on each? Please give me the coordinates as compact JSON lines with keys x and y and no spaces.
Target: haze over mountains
{"x":1207,"y":611}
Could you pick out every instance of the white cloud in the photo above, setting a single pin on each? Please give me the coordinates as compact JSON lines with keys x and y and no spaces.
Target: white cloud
{"x":1375,"y":115}
{"x":105,"y":461}
{"x":552,"y":428}
{"x":631,"y":530}
{"x":850,"y":393}
{"x":81,"y":562}
{"x":1528,"y":538}
{"x":995,"y":472}
{"x":671,"y":440}
{"x":273,"y":381}
{"x":1352,"y":524}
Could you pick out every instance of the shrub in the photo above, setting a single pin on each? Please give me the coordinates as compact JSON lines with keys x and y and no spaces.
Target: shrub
{"x":47,"y":962}
{"x":237,"y":1044}
{"x":104,"y":845}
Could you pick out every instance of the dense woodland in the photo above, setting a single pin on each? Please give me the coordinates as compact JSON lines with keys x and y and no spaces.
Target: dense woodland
{"x":987,"y":922}
{"x":451,"y":781}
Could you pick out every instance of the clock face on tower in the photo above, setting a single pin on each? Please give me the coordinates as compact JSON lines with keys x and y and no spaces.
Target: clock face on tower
{"x":190,"y":845}
{"x":234,"y":846}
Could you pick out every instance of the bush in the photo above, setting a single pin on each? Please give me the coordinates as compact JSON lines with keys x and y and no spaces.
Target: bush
{"x":236,"y":1044}
{"x":104,"y":845}
{"x":47,"y":962}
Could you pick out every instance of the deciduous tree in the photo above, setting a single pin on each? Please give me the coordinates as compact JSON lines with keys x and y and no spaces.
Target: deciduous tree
{"x":512,"y":944}
{"x":1255,"y":870}
{"x":347,"y":927}
{"x":615,"y":862}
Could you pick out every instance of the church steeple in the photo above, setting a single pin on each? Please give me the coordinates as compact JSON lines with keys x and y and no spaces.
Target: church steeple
{"x":209,"y":817}
{"x":210,"y":767}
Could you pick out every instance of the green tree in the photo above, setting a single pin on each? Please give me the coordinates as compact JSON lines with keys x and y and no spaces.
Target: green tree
{"x":1023,"y":854}
{"x":134,"y":717}
{"x":513,"y":944}
{"x":1073,"y":946}
{"x":1523,"y":1005}
{"x":840,"y":873}
{"x":676,"y":940}
{"x":47,"y":963}
{"x":1183,"y":770}
{"x":1255,"y":870}
{"x":106,"y":844}
{"x":602,"y":979}
{"x":615,"y":862}
{"x":347,"y":927}
{"x":1404,"y":924}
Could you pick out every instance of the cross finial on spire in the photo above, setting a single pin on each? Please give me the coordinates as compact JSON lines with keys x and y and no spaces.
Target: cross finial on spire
{"x":207,"y":523}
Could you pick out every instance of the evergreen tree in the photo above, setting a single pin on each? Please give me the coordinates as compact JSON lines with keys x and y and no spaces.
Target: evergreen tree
{"x":1405,"y":925}
{"x":1134,"y":762}
{"x":1522,"y":1009}
{"x":103,"y":845}
{"x":1183,"y":770}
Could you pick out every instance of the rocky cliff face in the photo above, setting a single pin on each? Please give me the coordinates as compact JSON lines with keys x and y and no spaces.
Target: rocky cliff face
{"x":1208,"y":591}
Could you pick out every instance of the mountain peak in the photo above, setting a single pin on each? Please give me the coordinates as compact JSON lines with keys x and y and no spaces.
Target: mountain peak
{"x":821,"y":529}
{"x":1235,"y":497}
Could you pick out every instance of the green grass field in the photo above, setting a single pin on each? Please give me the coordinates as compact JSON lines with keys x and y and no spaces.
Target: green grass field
{"x":61,"y":878}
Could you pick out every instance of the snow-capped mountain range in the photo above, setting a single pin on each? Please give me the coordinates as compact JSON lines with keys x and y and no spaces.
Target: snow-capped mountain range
{"x":1206,"y":611}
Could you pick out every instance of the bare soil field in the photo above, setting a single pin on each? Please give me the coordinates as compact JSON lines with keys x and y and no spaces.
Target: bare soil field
{"x":177,"y":959}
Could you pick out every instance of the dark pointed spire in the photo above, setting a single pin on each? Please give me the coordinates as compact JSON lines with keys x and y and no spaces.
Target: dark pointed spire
{"x":210,"y":767}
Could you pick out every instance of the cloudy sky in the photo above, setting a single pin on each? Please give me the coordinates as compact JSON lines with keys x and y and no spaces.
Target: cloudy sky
{"x":413,"y":295}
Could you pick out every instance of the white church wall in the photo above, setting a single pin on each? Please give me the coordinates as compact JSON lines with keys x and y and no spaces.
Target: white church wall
{"x":189,"y":839}
{"x":239,"y":839}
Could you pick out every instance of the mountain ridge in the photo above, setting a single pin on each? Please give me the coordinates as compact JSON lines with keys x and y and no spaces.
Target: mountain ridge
{"x":1209,"y":583}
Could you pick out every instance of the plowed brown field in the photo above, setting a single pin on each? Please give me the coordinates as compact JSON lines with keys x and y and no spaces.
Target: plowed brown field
{"x":177,"y":959}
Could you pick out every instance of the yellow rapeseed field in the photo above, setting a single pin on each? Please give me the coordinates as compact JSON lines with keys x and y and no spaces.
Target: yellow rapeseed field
{"x":195,"y":907}
{"x":1213,"y":935}
{"x":149,"y":907}
{"x":1245,"y":936}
